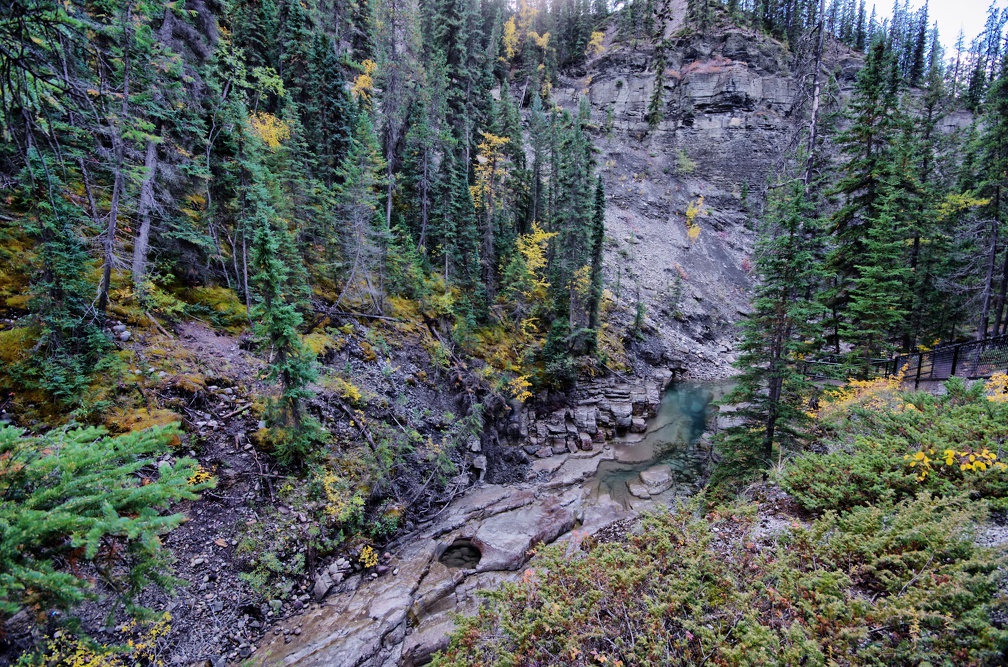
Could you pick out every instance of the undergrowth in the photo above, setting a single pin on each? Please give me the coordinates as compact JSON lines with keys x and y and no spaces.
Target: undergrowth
{"x":887,"y":571}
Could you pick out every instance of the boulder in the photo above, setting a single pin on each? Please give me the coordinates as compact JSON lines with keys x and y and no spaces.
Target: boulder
{"x":622,"y":414}
{"x":638,"y":425}
{"x":657,"y":479}
{"x":638,"y":490}
{"x":323,"y":584}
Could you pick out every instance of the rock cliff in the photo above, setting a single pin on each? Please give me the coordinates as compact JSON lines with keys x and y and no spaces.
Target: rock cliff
{"x":732,"y":106}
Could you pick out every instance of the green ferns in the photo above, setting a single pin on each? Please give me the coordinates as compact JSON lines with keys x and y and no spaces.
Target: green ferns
{"x":80,"y":494}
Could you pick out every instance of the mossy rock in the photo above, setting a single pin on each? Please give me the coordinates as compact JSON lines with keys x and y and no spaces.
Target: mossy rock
{"x":192,"y":384}
{"x":227,"y":308}
{"x":16,"y":344}
{"x":321,"y":344}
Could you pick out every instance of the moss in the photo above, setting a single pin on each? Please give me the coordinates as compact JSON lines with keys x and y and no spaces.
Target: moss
{"x":16,"y":344}
{"x":346,"y":390}
{"x":19,"y":301}
{"x":321,"y":344}
{"x":138,"y":419}
{"x":367,"y":352}
{"x":221,"y":303}
{"x":189,"y":383}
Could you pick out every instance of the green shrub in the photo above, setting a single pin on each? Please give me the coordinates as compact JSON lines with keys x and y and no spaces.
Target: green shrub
{"x":80,"y":494}
{"x":887,"y":585}
{"x":893,"y":445}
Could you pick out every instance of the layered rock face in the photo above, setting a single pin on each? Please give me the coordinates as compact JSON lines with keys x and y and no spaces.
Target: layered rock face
{"x":597,"y":412}
{"x":731,"y":108}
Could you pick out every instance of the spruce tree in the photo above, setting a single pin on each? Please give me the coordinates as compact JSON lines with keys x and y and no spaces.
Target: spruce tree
{"x":73,"y":494}
{"x":784,"y":327}
{"x":874,"y":114}
{"x":71,"y":343}
{"x":292,"y":430}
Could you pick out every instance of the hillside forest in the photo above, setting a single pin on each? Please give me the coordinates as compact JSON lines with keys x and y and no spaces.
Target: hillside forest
{"x":227,"y":222}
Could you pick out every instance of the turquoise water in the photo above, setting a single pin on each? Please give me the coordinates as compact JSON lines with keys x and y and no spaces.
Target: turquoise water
{"x":673,"y":437}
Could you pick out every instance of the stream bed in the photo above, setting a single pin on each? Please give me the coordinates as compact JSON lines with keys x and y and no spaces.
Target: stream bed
{"x":673,"y":439}
{"x":487,"y":535}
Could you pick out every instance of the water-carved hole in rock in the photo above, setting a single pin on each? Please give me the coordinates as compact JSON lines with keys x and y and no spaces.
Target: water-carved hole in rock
{"x":461,"y":554}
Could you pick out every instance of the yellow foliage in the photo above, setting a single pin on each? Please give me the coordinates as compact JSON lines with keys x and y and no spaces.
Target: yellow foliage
{"x":490,"y":169}
{"x":200,"y":476}
{"x":144,"y":648}
{"x":368,"y":557}
{"x":510,"y":39}
{"x":693,"y":211}
{"x":269,"y":128}
{"x":364,"y":83}
{"x":956,"y":203}
{"x":341,"y":506}
{"x":967,"y":460}
{"x":519,"y":388}
{"x":346,"y":390}
{"x":581,"y":281}
{"x":876,"y":393}
{"x":542,"y":42}
{"x":595,"y":47}
{"x":533,"y":248}
{"x":996,"y":388}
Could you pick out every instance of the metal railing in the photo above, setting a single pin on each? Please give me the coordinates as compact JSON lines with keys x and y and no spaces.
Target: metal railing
{"x":972,"y":360}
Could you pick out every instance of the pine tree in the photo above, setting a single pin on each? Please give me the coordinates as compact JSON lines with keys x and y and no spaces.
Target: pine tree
{"x":782,"y":329}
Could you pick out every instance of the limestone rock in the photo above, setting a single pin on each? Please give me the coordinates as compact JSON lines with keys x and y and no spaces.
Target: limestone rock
{"x":657,"y":479}
{"x":323,"y":584}
{"x":638,"y":489}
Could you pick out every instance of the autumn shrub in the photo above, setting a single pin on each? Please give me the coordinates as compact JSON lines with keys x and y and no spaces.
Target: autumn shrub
{"x":889,"y":445}
{"x":902,"y":584}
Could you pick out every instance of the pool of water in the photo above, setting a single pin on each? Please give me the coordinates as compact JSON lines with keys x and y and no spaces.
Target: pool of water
{"x":672,"y":438}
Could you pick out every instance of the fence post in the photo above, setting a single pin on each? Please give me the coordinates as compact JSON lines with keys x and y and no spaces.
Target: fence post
{"x":920,"y":361}
{"x":955,"y":360}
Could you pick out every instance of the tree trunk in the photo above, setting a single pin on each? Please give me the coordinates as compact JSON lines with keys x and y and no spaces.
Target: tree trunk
{"x":999,"y":311}
{"x":815,"y":99}
{"x":985,"y":309}
{"x":144,"y":207}
{"x":118,"y":179}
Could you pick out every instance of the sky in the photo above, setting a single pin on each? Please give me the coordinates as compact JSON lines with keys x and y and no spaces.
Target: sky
{"x":951,"y":15}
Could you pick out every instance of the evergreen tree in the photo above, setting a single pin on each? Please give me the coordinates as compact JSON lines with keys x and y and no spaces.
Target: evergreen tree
{"x":364,"y":235}
{"x":71,"y":342}
{"x":782,"y":329}
{"x":874,"y":113}
{"x":292,"y":431}
{"x":68,"y":493}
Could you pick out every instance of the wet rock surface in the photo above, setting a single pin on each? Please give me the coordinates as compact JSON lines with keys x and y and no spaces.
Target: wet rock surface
{"x":487,"y":536}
